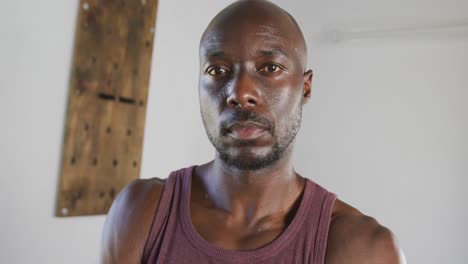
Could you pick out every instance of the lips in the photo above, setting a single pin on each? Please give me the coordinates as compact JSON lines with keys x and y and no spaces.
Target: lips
{"x":246,"y":130}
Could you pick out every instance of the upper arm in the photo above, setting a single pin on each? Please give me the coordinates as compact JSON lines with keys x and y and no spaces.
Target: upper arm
{"x":356,"y":238}
{"x":128,"y":222}
{"x":383,"y":247}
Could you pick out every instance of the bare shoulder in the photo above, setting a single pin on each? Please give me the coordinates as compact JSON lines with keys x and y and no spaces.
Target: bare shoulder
{"x":128,"y":222}
{"x":356,"y":238}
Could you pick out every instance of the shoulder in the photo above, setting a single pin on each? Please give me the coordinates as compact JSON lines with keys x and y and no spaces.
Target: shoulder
{"x":356,"y":238}
{"x":129,"y":220}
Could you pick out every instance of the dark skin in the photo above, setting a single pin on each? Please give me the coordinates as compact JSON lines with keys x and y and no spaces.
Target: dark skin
{"x":257,"y":64}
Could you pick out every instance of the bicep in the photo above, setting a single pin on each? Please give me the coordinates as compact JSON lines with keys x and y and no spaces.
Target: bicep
{"x":385,"y":248}
{"x":358,"y":240}
{"x":114,"y":232}
{"x":126,"y":225}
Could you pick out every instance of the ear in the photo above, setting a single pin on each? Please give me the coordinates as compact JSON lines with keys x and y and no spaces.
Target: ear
{"x":307,"y":85}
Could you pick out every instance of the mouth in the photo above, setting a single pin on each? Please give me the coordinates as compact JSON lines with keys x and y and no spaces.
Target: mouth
{"x":245,"y":130}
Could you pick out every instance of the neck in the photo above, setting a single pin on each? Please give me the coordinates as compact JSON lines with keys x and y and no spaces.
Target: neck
{"x":250,"y":196}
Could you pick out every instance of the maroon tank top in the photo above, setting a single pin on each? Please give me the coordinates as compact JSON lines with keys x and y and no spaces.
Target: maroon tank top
{"x":174,"y":240}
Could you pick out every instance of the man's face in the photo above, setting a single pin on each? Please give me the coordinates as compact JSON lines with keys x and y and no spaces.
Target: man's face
{"x":251,"y":92}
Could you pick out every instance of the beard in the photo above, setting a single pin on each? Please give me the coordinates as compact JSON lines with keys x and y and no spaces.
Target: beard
{"x":243,"y":157}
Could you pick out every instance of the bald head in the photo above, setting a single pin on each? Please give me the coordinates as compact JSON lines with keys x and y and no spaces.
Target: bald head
{"x":261,"y":18}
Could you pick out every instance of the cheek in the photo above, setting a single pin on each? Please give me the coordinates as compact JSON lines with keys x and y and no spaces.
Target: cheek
{"x":286,"y":99}
{"x":212,"y":95}
{"x":209,"y":108}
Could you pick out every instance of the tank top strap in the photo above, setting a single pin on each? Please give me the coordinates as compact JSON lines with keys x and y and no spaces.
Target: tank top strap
{"x":169,"y":201}
{"x":321,"y":209}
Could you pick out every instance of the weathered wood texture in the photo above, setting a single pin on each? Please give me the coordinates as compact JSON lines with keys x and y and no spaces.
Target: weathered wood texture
{"x":107,"y":103}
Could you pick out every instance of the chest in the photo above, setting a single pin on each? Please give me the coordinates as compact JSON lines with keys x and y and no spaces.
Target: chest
{"x":219,"y":230}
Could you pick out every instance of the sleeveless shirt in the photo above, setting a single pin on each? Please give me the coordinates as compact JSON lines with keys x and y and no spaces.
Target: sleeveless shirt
{"x":173,"y":239}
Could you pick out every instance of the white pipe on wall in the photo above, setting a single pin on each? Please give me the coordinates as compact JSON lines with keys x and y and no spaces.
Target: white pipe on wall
{"x":442,"y":29}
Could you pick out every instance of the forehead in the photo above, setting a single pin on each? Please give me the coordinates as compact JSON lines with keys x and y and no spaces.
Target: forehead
{"x":247,"y":38}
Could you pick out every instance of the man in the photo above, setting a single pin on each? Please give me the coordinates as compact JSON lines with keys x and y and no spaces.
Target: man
{"x":248,"y":205}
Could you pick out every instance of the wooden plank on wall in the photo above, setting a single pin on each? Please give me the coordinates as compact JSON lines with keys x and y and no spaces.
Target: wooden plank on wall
{"x":107,"y":103}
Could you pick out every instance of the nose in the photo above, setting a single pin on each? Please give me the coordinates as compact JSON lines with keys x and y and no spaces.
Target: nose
{"x":243,"y":92}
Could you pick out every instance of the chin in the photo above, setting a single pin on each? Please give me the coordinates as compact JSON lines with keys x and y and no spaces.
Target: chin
{"x":250,"y":159}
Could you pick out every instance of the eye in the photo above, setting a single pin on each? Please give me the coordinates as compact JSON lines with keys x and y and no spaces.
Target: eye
{"x":217,"y":71}
{"x":270,"y":68}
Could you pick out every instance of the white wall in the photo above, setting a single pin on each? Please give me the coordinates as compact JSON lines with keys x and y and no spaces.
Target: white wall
{"x":385,"y":129}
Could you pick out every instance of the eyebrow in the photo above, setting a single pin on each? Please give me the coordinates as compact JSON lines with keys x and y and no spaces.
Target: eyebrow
{"x":273,"y":52}
{"x":215,"y":54}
